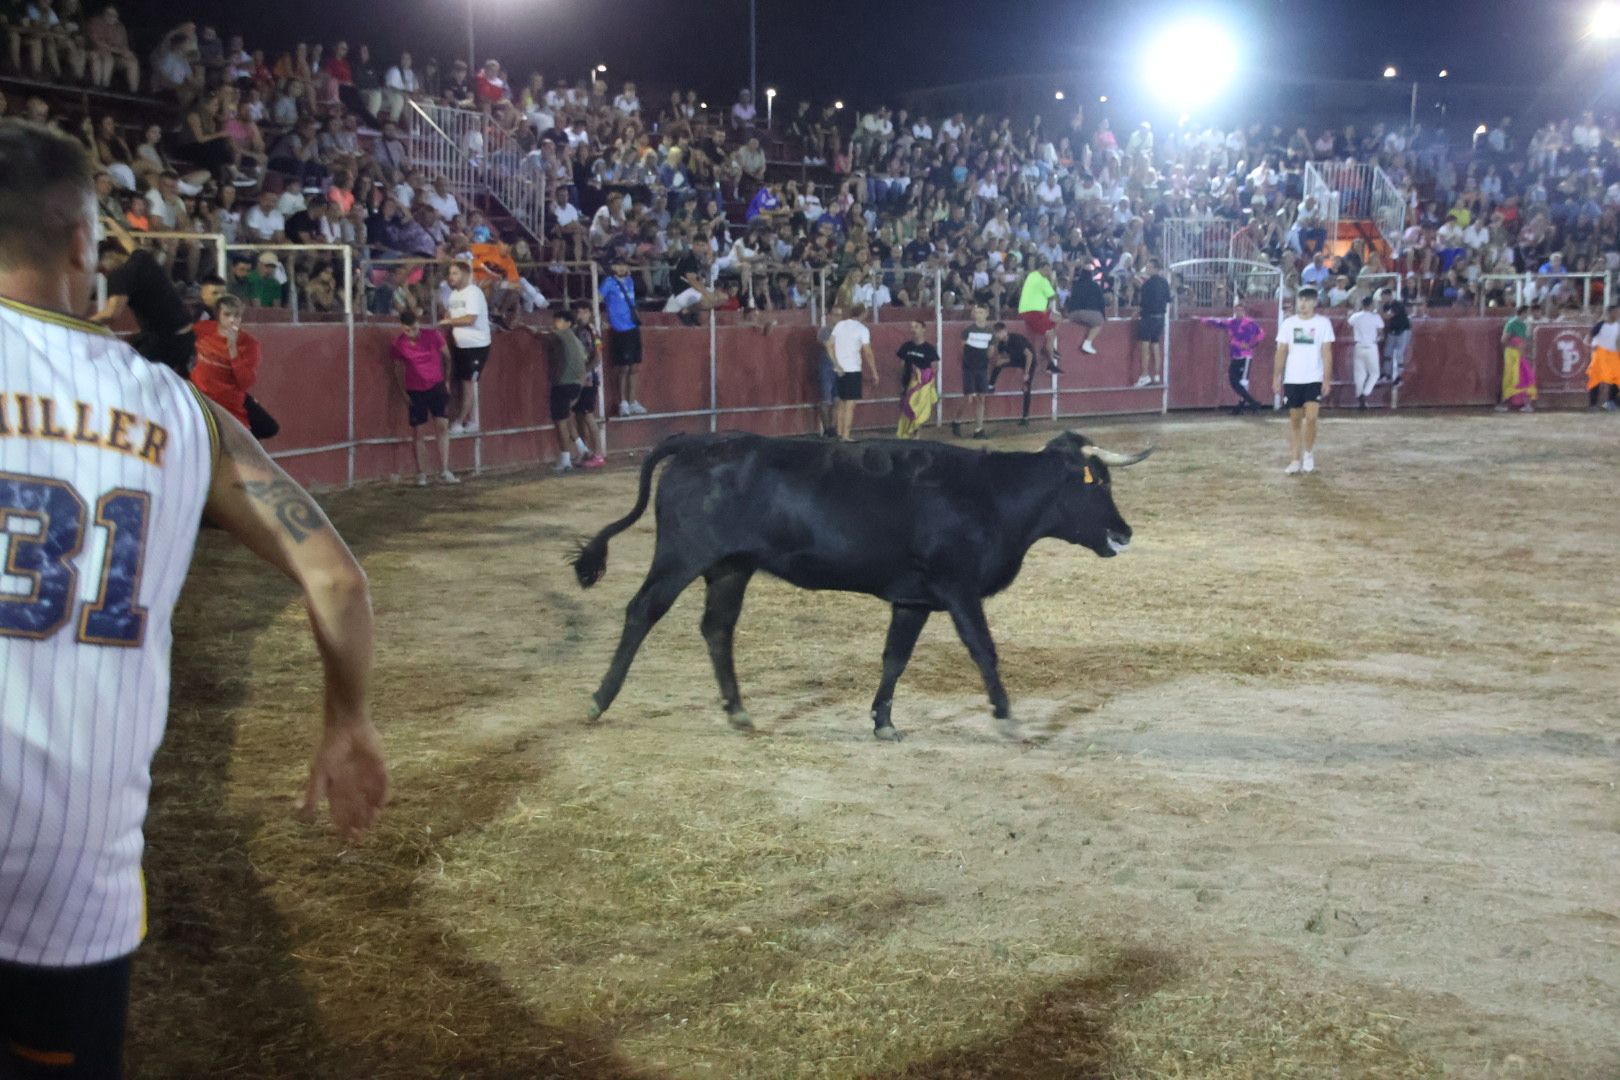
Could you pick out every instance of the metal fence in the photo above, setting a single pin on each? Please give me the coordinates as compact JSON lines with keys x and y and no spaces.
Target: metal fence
{"x":1355,"y":191}
{"x":476,"y":159}
{"x":1196,"y":239}
{"x":1586,"y":292}
{"x":1233,"y":280}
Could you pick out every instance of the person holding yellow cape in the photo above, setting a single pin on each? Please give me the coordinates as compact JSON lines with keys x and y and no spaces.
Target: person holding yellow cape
{"x":918,"y":391}
{"x":1518,"y":364}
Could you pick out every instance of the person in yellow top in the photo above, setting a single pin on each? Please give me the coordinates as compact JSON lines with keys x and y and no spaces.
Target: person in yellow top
{"x":1036,"y":306}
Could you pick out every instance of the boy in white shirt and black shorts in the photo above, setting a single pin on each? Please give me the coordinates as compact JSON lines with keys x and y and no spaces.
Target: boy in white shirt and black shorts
{"x":468,"y":323}
{"x":1304,"y":375}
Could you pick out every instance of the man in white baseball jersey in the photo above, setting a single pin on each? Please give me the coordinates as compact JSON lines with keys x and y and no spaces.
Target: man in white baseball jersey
{"x":1365,"y":326}
{"x":107,"y":463}
{"x":1304,"y":369}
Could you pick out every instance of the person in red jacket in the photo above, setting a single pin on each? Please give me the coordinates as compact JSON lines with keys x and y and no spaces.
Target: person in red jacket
{"x":228,"y":366}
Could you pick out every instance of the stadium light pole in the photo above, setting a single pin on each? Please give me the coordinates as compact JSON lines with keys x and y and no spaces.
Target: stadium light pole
{"x":770,"y":108}
{"x":753,"y":54}
{"x":472,"y":53}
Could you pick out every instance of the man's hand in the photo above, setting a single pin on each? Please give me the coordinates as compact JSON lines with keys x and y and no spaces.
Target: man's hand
{"x":349,"y":772}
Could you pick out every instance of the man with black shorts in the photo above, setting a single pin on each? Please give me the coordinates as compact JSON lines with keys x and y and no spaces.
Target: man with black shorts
{"x":976,"y":342}
{"x":468,"y":323}
{"x":136,"y":280}
{"x":618,"y":294}
{"x":423,"y":357}
{"x":1010,"y":350}
{"x":1155,"y":305}
{"x":851,"y":345}
{"x":1304,"y":375}
{"x":566,"y":391}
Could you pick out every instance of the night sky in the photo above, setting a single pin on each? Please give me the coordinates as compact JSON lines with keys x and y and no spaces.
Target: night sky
{"x":875,"y":49}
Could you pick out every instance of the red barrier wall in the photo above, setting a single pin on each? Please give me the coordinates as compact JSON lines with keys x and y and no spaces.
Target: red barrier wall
{"x":772,"y":378}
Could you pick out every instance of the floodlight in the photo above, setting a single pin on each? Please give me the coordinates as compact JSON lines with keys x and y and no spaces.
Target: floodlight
{"x":1390,"y":72}
{"x":1191,"y":62}
{"x":1479,"y":131}
{"x":1444,"y":72}
{"x":1058,"y":96}
{"x":602,"y":68}
{"x":770,"y":91}
{"x":1103,"y":99}
{"x":838,"y":104}
{"x":1605,"y":22}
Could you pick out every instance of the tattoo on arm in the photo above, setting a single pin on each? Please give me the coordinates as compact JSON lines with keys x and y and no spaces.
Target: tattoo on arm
{"x":294,"y":509}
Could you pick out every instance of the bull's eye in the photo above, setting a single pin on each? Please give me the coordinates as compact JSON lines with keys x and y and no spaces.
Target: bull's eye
{"x":1086,"y":475}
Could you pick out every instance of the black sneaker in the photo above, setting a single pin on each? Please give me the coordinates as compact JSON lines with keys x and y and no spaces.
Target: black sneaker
{"x":981,"y":434}
{"x":1023,"y":421}
{"x":1051,"y":365}
{"x":956,"y":428}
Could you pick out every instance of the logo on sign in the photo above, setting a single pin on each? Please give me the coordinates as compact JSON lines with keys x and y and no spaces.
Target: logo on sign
{"x":1569,"y":353}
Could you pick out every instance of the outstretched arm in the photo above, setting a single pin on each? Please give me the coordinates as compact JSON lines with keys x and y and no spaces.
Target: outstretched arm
{"x":260,"y":505}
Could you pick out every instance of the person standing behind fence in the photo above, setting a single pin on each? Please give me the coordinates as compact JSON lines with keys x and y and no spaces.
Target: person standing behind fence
{"x":1155,"y":309}
{"x":618,"y":294}
{"x":919,"y":390}
{"x":852,"y":351}
{"x":424,"y":357}
{"x":1603,"y":373}
{"x":228,"y":366}
{"x":1397,"y":335}
{"x":589,"y":397}
{"x":1304,"y":369}
{"x":468,"y":323}
{"x":1242,"y":335}
{"x":827,"y":373}
{"x":1518,"y":364}
{"x":976,"y":342}
{"x":1365,"y":326}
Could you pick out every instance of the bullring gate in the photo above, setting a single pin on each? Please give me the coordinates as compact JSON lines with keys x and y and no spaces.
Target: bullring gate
{"x":1211,"y":286}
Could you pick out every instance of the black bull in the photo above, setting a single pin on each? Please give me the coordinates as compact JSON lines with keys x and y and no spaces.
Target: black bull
{"x":925,"y":526}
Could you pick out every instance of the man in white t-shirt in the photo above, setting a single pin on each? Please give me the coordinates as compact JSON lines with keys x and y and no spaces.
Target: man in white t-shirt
{"x":851,"y":347}
{"x":1304,"y":374}
{"x":468,"y":323}
{"x":1366,"y":326}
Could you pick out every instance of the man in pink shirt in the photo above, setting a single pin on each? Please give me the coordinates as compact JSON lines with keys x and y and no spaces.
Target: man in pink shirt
{"x":423,"y":354}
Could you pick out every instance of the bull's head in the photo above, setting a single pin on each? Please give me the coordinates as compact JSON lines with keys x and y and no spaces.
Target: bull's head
{"x":1086,"y":514}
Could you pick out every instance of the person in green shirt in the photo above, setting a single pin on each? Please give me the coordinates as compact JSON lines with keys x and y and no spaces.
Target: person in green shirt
{"x":565,"y":392}
{"x":1036,"y":304}
{"x":264,"y":284}
{"x":1518,"y":364}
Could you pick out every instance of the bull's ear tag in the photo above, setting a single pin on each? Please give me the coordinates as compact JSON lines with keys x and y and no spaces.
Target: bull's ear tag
{"x":1086,"y":474}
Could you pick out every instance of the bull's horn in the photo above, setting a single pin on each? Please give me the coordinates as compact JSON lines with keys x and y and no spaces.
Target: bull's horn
{"x":1112,"y":458}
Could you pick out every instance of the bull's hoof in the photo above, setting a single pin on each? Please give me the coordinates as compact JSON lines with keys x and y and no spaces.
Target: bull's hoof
{"x":594,"y":713}
{"x":888,"y":733}
{"x":740,"y":720}
{"x":1009,"y":728}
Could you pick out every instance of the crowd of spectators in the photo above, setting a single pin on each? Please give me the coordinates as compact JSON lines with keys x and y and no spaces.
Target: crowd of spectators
{"x":711,"y":210}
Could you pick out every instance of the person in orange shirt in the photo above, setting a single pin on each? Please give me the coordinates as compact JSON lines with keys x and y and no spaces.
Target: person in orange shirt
{"x":228,"y":366}
{"x":497,"y":274}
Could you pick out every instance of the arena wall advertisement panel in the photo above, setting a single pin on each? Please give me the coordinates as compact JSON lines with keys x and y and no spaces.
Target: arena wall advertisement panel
{"x":767,"y":382}
{"x":1563,"y":352}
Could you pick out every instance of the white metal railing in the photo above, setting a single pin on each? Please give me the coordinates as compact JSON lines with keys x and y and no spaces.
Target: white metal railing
{"x":1388,"y":207}
{"x":1318,"y":189}
{"x":1549,"y":290}
{"x":477,"y":159}
{"x":1196,"y":239}
{"x":1241,"y":278}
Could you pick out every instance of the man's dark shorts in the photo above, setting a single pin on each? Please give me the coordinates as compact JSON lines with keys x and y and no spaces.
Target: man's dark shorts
{"x":849,"y":386}
{"x":177,"y":352}
{"x":625,"y":346}
{"x":563,"y":398}
{"x":585,"y":404}
{"x":66,"y":1022}
{"x":1300,"y":394}
{"x":468,"y":364}
{"x":976,"y":377}
{"x":434,"y":402}
{"x":1150,"y":328}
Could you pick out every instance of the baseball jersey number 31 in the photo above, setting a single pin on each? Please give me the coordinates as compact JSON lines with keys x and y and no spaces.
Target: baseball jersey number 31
{"x":53,"y":518}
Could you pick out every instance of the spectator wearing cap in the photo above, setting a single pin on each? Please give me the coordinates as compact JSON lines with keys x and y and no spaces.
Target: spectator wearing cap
{"x":618,"y":295}
{"x":458,"y":91}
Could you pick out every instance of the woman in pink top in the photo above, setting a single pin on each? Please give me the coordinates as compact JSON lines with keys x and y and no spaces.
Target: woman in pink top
{"x":422,"y":355}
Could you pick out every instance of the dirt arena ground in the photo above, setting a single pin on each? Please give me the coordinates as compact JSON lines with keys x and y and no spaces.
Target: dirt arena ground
{"x":1320,"y":782}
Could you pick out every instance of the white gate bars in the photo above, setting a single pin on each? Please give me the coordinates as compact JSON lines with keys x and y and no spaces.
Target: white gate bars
{"x":475,"y":160}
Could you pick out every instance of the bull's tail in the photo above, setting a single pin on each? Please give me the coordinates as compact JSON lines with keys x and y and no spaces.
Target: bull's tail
{"x":590,"y":561}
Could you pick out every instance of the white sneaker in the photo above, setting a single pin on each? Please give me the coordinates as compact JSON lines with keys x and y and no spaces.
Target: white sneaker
{"x":563,"y":465}
{"x":1088,"y":347}
{"x":1293,"y":468}
{"x":421,"y":479}
{"x":447,"y":477}
{"x":457,"y":428}
{"x":470,"y":427}
{"x":638,"y":408}
{"x":1146,"y":380}
{"x":625,"y":409}
{"x":1310,"y":461}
